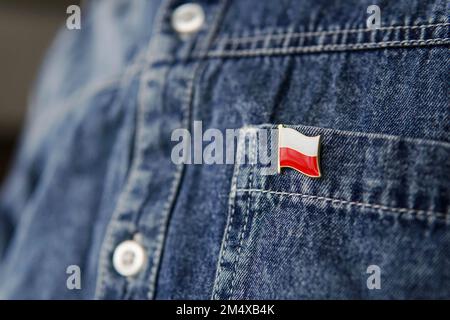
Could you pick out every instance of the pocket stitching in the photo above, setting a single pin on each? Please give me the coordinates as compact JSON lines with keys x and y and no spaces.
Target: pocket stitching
{"x":231,"y":212}
{"x":324,"y":48}
{"x":281,"y":36}
{"x":241,"y":236}
{"x":418,"y":213}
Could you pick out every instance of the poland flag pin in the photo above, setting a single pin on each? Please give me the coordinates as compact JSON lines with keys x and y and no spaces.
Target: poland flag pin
{"x":298,"y":152}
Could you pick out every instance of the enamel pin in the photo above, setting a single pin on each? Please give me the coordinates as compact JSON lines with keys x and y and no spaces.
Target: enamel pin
{"x":298,"y":152}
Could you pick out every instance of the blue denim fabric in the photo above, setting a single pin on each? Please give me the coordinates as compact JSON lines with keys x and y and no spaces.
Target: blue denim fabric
{"x":94,"y":167}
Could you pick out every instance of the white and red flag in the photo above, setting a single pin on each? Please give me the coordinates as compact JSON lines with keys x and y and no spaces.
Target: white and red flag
{"x":298,"y":152}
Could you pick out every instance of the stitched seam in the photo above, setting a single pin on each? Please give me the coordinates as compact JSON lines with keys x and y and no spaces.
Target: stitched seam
{"x":188,"y":100}
{"x":161,"y":232}
{"x":369,"y":135}
{"x":319,"y":48}
{"x":164,"y":10}
{"x":241,"y":237}
{"x":108,"y":242}
{"x":172,"y":193}
{"x":419,"y":213}
{"x":163,"y":220}
{"x":231,"y":206}
{"x":162,"y":223}
{"x":293,"y":35}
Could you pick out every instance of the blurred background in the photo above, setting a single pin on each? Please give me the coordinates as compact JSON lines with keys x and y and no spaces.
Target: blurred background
{"x":27,"y":28}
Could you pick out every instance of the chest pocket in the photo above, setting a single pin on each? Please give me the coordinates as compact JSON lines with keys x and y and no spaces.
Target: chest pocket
{"x":381,"y":204}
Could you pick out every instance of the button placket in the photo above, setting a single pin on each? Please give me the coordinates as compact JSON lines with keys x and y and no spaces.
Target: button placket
{"x":150,"y":217}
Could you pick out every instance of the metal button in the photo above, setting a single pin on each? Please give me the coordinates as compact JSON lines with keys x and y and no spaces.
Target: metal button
{"x":188,"y":18}
{"x":129,"y":258}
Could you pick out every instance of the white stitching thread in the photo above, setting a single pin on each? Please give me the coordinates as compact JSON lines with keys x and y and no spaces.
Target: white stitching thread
{"x":242,"y":232}
{"x":259,"y":37}
{"x":368,"y":135}
{"x":319,"y":48}
{"x":108,"y":240}
{"x":231,"y":210}
{"x":238,"y":254}
{"x":420,"y":213}
{"x":163,"y":225}
{"x":107,"y":243}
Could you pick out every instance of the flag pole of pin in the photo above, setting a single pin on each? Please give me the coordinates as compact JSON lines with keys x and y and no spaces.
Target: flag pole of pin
{"x":298,"y":152}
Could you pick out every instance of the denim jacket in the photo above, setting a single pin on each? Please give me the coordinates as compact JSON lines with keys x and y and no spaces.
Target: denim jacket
{"x":94,"y":165}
